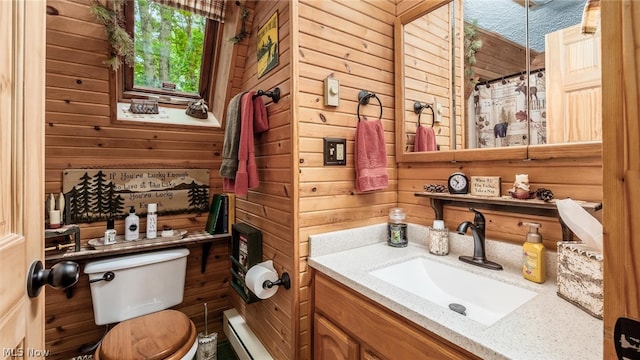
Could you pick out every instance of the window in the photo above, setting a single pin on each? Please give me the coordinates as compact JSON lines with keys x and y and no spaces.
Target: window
{"x":174,"y":53}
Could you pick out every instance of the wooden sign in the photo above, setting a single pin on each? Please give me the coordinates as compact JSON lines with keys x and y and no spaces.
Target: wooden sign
{"x":99,"y":194}
{"x":485,"y":186}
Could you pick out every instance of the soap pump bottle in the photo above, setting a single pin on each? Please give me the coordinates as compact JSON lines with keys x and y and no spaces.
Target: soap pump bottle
{"x":533,"y":255}
{"x":110,"y":233}
{"x":132,"y":225}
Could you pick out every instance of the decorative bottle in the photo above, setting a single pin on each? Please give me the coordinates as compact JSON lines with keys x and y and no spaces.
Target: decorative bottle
{"x":152,"y":221}
{"x":397,"y":229}
{"x":132,"y":226}
{"x":438,"y":238}
{"x":533,"y":256}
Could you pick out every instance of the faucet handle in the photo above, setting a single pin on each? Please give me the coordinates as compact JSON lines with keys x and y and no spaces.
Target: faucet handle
{"x":479,"y":218}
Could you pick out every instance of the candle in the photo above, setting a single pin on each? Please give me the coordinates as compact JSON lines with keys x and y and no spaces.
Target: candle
{"x":54,"y":219}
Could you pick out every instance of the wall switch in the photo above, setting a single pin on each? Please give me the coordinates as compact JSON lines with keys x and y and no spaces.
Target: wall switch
{"x":335,"y":151}
{"x":438,"y":111}
{"x":331,"y":91}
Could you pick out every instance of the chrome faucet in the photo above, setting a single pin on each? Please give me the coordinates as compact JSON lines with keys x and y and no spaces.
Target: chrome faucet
{"x":477,"y":230}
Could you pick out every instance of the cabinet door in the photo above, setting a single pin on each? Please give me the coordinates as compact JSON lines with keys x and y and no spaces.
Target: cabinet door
{"x":331,"y":343}
{"x":368,"y":354}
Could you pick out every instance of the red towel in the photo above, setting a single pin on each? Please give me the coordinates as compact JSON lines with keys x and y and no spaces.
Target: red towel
{"x":370,"y":156}
{"x":247,"y":175}
{"x":425,"y":139}
{"x":260,"y":119}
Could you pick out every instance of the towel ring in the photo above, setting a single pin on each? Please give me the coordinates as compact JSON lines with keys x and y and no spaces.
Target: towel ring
{"x":417,"y":108}
{"x":363,"y":99}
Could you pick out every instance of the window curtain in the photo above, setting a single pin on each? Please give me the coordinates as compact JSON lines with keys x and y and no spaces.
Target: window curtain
{"x":212,"y":9}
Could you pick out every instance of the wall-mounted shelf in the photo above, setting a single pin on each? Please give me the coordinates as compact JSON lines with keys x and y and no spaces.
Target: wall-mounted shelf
{"x":507,"y":204}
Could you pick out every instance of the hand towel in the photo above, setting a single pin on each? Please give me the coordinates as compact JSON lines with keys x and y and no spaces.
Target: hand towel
{"x":229,"y":165}
{"x":425,"y":139}
{"x":260,"y":119}
{"x":590,"y":16}
{"x":247,"y":174}
{"x":370,"y":156}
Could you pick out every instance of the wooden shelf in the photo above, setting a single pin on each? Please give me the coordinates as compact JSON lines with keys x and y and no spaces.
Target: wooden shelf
{"x":135,"y":247}
{"x":506,"y":204}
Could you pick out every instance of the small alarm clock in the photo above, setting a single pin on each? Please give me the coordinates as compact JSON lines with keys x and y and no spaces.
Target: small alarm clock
{"x":458,"y":183}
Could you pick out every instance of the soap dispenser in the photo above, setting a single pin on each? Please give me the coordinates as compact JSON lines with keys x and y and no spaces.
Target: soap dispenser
{"x":533,"y":255}
{"x":132,"y":225}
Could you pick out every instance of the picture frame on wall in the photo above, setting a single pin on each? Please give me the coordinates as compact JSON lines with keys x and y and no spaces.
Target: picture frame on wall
{"x":268,"y":45}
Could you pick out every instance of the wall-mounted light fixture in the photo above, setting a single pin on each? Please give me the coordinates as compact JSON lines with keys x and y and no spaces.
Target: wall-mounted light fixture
{"x":61,"y":275}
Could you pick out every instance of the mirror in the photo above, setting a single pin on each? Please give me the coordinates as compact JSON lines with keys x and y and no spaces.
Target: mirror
{"x":499,"y":71}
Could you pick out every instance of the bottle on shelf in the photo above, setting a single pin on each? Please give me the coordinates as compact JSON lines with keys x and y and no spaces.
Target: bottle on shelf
{"x":132,"y":225}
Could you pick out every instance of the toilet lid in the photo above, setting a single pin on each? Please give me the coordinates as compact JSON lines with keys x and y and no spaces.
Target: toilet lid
{"x":162,"y":335}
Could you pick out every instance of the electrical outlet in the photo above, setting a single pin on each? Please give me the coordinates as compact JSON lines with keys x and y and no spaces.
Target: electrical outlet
{"x":335,"y":151}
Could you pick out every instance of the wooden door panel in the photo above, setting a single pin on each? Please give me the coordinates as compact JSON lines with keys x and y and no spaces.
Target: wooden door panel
{"x":574,"y":86}
{"x":331,"y":343}
{"x":22,"y":70}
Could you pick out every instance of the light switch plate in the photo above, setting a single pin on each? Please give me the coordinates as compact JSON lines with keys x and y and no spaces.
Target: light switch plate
{"x":331,"y":91}
{"x":335,"y":151}
{"x":438,"y":112}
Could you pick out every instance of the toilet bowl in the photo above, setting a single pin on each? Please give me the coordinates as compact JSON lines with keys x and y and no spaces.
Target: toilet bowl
{"x":136,"y":292}
{"x":168,"y":334}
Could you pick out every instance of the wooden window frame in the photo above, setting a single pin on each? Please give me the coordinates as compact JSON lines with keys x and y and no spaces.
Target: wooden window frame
{"x":127,"y":90}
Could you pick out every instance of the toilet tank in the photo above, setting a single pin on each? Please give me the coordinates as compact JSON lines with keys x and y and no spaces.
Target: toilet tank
{"x":142,"y":284}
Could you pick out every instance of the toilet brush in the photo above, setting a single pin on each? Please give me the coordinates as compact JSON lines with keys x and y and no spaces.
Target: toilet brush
{"x":207,"y":343}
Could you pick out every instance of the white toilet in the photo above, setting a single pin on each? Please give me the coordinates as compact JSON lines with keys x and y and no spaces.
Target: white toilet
{"x":135,"y":291}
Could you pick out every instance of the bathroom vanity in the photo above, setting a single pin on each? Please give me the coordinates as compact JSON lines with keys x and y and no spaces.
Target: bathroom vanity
{"x":361,"y":315}
{"x":348,"y":325}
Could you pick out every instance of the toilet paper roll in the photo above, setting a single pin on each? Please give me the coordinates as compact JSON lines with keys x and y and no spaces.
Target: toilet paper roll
{"x":257,"y":275}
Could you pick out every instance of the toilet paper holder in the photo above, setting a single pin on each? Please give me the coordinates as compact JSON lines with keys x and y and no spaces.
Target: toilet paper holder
{"x":284,"y":280}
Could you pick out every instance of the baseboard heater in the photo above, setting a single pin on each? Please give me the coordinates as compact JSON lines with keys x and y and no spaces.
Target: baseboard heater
{"x":244,"y":342}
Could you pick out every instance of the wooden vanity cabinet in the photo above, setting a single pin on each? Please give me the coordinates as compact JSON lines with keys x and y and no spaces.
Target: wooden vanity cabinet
{"x":348,"y":325}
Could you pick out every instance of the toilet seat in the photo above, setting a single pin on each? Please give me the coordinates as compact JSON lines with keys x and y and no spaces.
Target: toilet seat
{"x":167,"y":334}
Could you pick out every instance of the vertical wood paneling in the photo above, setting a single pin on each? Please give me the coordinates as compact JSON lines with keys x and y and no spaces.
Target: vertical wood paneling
{"x":269,"y":207}
{"x":356,"y":47}
{"x":621,"y":137}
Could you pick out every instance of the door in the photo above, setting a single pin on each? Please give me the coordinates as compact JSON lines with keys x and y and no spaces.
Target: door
{"x":331,"y":343}
{"x":22,"y":89}
{"x":574,"y":86}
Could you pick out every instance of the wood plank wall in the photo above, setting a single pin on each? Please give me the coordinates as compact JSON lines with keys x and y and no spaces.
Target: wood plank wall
{"x":427,"y":74}
{"x":327,"y":198}
{"x":69,"y":323}
{"x":621,"y":137}
{"x":353,"y":42}
{"x":80,"y":134}
{"x":297,"y":196}
{"x":580,"y":179}
{"x":270,"y":207}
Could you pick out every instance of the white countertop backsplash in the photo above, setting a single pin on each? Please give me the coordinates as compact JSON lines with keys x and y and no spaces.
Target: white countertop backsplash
{"x":546,"y":327}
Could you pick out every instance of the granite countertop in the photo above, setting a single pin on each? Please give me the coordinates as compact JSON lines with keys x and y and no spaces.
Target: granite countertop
{"x":546,"y":327}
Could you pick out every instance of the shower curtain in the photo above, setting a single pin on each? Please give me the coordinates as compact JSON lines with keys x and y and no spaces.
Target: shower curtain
{"x":498,"y":113}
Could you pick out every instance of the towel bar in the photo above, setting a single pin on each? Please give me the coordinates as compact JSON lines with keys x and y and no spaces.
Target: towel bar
{"x":273,"y":94}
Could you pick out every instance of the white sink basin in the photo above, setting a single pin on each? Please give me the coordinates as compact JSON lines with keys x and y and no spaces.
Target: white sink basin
{"x":486,"y":300}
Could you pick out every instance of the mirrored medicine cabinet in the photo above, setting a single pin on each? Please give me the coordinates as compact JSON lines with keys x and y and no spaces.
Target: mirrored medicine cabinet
{"x":513,"y":80}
